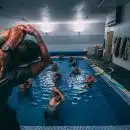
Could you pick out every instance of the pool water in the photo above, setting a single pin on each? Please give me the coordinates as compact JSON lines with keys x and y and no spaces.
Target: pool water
{"x":99,"y":106}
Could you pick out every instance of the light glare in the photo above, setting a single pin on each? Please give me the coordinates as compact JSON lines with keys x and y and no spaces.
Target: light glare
{"x":46,"y":27}
{"x":79,"y":26}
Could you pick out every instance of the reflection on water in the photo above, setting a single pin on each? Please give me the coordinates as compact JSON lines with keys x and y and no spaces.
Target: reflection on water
{"x":71,"y":87}
{"x":79,"y":107}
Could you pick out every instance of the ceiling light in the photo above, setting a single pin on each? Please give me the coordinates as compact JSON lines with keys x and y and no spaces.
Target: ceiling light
{"x":79,"y":26}
{"x":47,"y":27}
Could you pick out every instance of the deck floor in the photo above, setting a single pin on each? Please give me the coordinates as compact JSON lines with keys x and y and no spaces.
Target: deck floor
{"x":120,"y":74}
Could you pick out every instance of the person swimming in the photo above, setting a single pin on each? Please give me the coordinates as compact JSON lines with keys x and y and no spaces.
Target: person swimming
{"x":23,"y":87}
{"x":98,"y":70}
{"x":75,"y":71}
{"x":85,"y":55}
{"x":18,"y":75}
{"x":89,"y":81}
{"x":25,"y":90}
{"x":61,"y":57}
{"x":74,"y":63}
{"x":51,"y":113}
{"x":57,"y":77}
{"x":71,"y":59}
{"x":54,"y":67}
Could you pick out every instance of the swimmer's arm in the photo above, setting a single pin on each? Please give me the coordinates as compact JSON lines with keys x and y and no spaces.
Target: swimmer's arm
{"x":60,"y":94}
{"x":20,"y":75}
{"x":45,"y":60}
{"x":32,"y":31}
{"x":43,"y":48}
{"x":14,"y":38}
{"x":39,"y":66}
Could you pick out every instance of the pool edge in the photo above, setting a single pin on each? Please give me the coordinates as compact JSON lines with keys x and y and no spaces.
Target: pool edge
{"x":125,"y":127}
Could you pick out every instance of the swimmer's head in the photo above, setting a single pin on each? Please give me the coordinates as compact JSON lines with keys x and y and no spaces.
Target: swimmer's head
{"x":86,"y":53}
{"x":76,"y":71}
{"x":25,"y":51}
{"x":54,"y":67}
{"x":57,"y":98}
{"x":71,"y":59}
{"x":25,"y":85}
{"x":74,"y":63}
{"x":57,"y":78}
{"x":61,"y":57}
{"x":57,"y":75}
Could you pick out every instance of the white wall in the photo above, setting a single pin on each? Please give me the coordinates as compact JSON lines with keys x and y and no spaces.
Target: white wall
{"x":64,"y":38}
{"x":121,"y":30}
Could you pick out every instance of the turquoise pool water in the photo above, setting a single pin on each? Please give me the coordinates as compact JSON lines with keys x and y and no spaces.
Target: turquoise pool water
{"x":99,"y":106}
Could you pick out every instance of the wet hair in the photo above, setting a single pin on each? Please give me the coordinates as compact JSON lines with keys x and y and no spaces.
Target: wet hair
{"x":61,"y":57}
{"x":71,"y":59}
{"x":76,"y":71}
{"x":86,"y":53}
{"x":58,"y":75}
{"x":54,"y":67}
{"x":74,"y":63}
{"x":57,"y":98}
{"x":27,"y":51}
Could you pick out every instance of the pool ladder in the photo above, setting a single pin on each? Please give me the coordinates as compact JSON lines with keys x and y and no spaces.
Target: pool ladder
{"x":112,"y":70}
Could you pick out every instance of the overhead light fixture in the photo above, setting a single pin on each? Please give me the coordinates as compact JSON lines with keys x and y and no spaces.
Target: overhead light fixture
{"x":47,"y":27}
{"x":79,"y":26}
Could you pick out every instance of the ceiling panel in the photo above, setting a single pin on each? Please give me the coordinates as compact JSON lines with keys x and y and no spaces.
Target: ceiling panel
{"x":57,"y":9}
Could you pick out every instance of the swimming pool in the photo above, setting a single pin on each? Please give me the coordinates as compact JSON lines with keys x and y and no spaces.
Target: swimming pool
{"x":99,"y":106}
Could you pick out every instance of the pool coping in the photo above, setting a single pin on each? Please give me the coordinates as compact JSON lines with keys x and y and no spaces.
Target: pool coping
{"x":125,"y":127}
{"x":120,"y":89}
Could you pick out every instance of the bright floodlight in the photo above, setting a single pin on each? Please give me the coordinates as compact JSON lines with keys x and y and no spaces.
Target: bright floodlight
{"x":47,"y":27}
{"x":79,"y":26}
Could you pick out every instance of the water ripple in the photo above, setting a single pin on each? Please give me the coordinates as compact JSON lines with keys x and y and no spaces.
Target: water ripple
{"x":71,"y":86}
